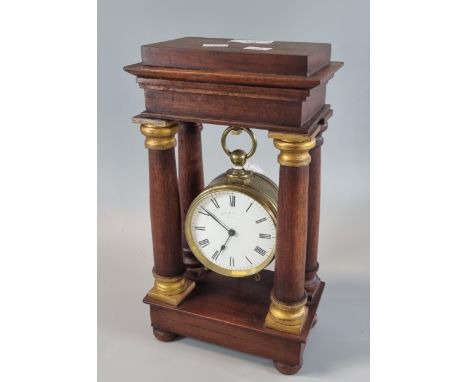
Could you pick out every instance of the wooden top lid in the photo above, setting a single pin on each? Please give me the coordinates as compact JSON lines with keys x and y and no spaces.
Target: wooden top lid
{"x":237,"y":55}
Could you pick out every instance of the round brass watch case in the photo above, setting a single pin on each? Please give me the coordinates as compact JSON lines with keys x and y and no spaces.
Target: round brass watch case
{"x":255,"y":185}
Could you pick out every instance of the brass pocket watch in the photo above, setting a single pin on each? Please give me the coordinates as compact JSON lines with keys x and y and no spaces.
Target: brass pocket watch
{"x":231,"y":226}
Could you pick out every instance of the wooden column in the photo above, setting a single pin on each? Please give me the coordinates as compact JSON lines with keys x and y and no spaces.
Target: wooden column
{"x":191,"y":183}
{"x":287,"y":310}
{"x":312,"y":280}
{"x":170,"y":285}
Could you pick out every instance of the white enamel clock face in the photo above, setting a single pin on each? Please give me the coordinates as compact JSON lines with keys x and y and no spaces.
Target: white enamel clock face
{"x":231,"y":233}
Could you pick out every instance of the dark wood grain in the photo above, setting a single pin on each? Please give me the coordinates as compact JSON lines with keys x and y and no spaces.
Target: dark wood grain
{"x":244,"y":91}
{"x":191,"y":183}
{"x":231,"y":312}
{"x":165,"y":213}
{"x":288,"y":58}
{"x":237,"y":108}
{"x":184,"y":81}
{"x":312,"y":280}
{"x":322,"y":76}
{"x":307,"y":128}
{"x":291,"y":234}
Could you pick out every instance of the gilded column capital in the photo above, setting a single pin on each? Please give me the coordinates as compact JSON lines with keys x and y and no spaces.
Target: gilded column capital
{"x":294,"y":148}
{"x":160,"y":136}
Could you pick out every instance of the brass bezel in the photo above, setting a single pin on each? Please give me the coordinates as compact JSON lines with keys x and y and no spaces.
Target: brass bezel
{"x":268,"y":203}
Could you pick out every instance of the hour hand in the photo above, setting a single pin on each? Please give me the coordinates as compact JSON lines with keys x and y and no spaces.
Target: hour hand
{"x":231,"y":234}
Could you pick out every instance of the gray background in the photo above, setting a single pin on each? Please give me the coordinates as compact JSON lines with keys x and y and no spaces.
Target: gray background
{"x":338,"y":348}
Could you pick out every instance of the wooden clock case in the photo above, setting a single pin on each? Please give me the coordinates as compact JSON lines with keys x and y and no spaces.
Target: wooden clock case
{"x":281,"y":88}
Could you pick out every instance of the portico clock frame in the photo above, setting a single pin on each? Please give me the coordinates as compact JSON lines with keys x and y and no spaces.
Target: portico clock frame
{"x":274,"y":86}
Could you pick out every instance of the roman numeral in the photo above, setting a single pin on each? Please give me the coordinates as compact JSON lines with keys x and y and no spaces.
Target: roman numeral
{"x":248,"y":260}
{"x":264,"y":236}
{"x":232,"y":200}
{"x":203,"y":243}
{"x":248,"y":208}
{"x":200,"y":228}
{"x":260,"y":251}
{"x":260,"y":220}
{"x":215,"y":255}
{"x":203,"y":213}
{"x":215,"y":202}
{"x":231,"y":261}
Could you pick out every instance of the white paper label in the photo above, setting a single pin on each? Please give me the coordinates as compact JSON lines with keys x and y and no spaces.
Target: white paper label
{"x":216,"y":45}
{"x":251,"y":41}
{"x":257,"y":48}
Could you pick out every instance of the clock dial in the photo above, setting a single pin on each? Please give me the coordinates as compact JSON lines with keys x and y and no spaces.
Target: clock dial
{"x":232,"y":233}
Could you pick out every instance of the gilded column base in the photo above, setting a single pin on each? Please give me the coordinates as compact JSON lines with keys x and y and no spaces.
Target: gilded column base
{"x":286,"y":318}
{"x":171,"y":290}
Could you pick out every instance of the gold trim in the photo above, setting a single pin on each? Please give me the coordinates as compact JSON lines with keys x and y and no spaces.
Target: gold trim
{"x":287,"y":318}
{"x":171,"y":290}
{"x":267,"y":202}
{"x":159,"y":137}
{"x":294,"y":148}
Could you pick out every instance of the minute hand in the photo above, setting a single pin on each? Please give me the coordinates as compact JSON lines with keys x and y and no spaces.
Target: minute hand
{"x":217,"y":220}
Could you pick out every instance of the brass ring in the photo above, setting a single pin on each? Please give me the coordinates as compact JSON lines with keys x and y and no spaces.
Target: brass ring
{"x":288,"y":307}
{"x":239,"y":130}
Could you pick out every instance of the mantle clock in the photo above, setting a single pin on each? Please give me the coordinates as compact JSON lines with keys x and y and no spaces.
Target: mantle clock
{"x":211,"y":244}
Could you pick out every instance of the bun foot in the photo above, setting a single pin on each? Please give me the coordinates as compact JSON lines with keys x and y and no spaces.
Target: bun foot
{"x":163,"y":336}
{"x":287,"y":369}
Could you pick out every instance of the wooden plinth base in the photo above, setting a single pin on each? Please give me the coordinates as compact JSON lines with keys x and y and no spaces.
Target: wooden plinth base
{"x":231,"y":312}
